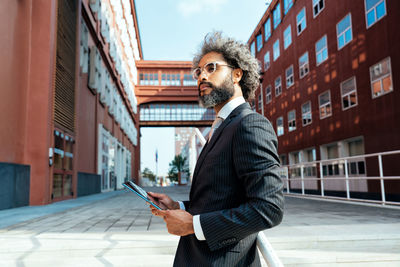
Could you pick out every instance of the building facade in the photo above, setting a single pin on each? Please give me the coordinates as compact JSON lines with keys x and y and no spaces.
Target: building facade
{"x":330,"y":89}
{"x":69,"y":118}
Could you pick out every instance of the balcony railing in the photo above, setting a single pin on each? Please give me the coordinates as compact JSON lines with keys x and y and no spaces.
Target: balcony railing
{"x":326,"y":175}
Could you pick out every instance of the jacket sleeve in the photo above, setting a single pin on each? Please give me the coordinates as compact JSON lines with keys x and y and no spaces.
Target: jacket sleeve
{"x":256,"y":164}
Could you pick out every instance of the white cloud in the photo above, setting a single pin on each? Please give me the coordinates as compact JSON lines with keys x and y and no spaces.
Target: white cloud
{"x":191,"y":7}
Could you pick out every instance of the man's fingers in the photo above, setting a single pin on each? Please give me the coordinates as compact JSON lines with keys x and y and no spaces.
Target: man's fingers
{"x":159,"y":213}
{"x":155,"y":195}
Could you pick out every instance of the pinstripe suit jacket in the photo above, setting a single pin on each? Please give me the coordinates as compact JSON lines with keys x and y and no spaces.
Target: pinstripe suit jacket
{"x":237,"y":192}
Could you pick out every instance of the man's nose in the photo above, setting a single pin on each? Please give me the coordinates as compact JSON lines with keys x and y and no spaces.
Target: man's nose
{"x":203,"y":76}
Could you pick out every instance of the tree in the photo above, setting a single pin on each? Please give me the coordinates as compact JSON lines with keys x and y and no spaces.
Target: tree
{"x":149,"y":174}
{"x":177,"y":165}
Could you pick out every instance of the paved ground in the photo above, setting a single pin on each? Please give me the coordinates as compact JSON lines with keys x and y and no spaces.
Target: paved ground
{"x":117,"y":229}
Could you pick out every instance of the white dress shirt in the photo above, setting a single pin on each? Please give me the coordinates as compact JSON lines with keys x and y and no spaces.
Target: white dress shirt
{"x":223,"y":113}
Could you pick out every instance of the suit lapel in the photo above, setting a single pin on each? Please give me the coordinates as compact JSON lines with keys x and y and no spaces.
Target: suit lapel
{"x":208,"y":146}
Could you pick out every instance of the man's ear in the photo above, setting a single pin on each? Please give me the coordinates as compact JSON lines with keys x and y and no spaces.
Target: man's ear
{"x":237,"y":75}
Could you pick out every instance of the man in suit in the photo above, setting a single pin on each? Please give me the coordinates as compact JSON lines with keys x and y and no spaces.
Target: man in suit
{"x":236,"y":190}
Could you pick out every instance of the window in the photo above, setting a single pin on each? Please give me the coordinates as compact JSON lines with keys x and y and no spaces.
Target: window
{"x":260,"y":102}
{"x":355,"y":147}
{"x":321,"y":50}
{"x":289,"y":77}
{"x":318,"y":5}
{"x":303,"y":65}
{"x":259,"y":42}
{"x":344,"y":32}
{"x":277,"y":15}
{"x":279,"y":126}
{"x":349,"y":93}
{"x":277,"y":52}
{"x":278,"y":86}
{"x":325,"y":109}
{"x":381,"y":78}
{"x":292,"y":120}
{"x":267,"y":28}
{"x":188,"y":80}
{"x":306,"y":113}
{"x":287,"y":4}
{"x":301,"y":21}
{"x":267,"y":61}
{"x":287,"y":37}
{"x":253,"y":49}
{"x":268,"y":94}
{"x":170,"y":79}
{"x":374,"y":11}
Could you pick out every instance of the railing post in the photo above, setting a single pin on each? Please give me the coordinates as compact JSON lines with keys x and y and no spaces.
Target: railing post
{"x":302,"y":179}
{"x":287,"y":180}
{"x":382,"y":182}
{"x":322,"y":179}
{"x":267,"y":251}
{"x":346,"y":171}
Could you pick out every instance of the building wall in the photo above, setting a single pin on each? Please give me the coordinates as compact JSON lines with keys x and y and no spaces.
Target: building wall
{"x":29,"y":31}
{"x":28,"y":48}
{"x":373,"y":119}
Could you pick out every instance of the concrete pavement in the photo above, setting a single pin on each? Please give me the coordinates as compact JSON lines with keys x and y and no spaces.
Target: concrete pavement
{"x":117,"y":229}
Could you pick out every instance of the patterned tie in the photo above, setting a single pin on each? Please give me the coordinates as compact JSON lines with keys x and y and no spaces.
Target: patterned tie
{"x":217,"y":122}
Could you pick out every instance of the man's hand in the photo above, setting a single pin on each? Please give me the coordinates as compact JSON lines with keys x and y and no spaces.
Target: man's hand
{"x":163,"y":201}
{"x":179,"y":222}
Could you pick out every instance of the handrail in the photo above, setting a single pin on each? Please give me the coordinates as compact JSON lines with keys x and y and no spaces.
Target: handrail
{"x":346,"y":176}
{"x":267,"y":251}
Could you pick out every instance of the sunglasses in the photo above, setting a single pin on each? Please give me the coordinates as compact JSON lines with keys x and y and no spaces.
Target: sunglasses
{"x":209,"y":68}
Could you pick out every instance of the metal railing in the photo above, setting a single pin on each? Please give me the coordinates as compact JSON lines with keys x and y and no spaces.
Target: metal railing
{"x":337,"y":169}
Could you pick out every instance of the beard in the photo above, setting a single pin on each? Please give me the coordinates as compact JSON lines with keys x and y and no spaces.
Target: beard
{"x":218,"y":94}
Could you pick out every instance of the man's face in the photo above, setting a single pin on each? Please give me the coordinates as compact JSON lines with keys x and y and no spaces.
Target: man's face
{"x":217,"y":87}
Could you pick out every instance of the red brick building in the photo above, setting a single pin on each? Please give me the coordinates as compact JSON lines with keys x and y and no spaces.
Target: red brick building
{"x":330,"y":87}
{"x":69,"y":117}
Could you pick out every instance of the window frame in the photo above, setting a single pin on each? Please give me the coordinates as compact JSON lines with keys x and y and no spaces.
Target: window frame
{"x":347,"y":94}
{"x":381,"y":78}
{"x":344,"y":32}
{"x":285,"y":46}
{"x":269,"y":60}
{"x":374,"y":7}
{"x":302,"y":113}
{"x":300,"y":66}
{"x":286,"y":9}
{"x":319,"y":12}
{"x":268,"y":96}
{"x":277,"y":127}
{"x":279,"y":50}
{"x":253,"y":48}
{"x":267,"y":36}
{"x":292,"y":76}
{"x":316,"y":52}
{"x":305,"y":21}
{"x":291,"y":121}
{"x":280,"y":86}
{"x":259,"y":42}
{"x":329,"y":103}
{"x":277,"y":6}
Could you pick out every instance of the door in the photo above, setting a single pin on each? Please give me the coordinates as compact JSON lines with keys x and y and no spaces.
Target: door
{"x":63,"y":166}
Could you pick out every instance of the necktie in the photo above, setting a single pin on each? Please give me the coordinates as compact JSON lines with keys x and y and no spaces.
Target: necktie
{"x":217,"y":122}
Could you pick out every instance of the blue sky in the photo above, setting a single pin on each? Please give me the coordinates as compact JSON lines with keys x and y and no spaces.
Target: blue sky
{"x":173,"y":30}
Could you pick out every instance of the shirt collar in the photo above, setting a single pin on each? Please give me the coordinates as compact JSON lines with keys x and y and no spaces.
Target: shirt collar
{"x":230,"y":106}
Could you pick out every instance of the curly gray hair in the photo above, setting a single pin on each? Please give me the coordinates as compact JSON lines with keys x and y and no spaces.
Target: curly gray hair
{"x":237,"y":55}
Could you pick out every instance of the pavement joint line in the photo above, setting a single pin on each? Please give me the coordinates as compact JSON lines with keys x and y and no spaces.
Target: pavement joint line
{"x":344,"y":201}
